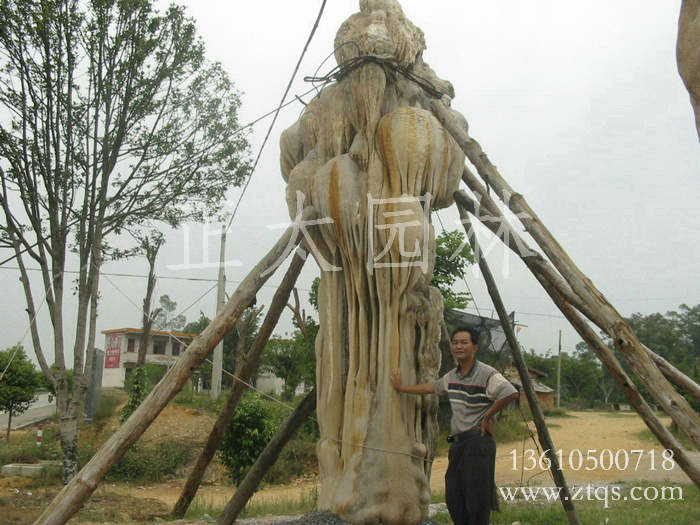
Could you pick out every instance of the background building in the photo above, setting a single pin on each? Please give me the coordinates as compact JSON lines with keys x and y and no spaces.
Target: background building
{"x":121,"y":351}
{"x":545,"y":394}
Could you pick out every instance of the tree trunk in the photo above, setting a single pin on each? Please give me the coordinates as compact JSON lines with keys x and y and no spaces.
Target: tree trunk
{"x":603,"y":313}
{"x":267,"y":458}
{"x":151,"y":249}
{"x":69,"y":447}
{"x":243,"y":372}
{"x":9,"y":426}
{"x":71,"y":498}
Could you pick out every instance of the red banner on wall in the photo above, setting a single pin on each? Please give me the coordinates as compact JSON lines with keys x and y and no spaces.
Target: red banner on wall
{"x":114,"y":350}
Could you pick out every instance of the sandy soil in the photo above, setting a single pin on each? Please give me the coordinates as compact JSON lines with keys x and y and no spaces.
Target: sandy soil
{"x":582,"y":432}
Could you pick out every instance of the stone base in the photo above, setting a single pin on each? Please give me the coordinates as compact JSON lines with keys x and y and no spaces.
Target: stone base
{"x":29,"y":470}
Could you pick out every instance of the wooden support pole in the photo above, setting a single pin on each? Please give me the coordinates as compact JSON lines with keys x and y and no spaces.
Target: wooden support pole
{"x":604,"y":353}
{"x":277,"y":306}
{"x":612,"y":365}
{"x":72,"y":496}
{"x":613,"y":323}
{"x":489,"y":214}
{"x":267,"y":458}
{"x":675,"y":376}
{"x":536,"y":409}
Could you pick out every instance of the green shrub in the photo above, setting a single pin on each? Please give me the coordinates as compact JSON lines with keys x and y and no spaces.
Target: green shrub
{"x":152,"y":462}
{"x":246,"y":436}
{"x":25,"y":450}
{"x":297,"y":458}
{"x":309,"y":430}
{"x":202,"y":401}
{"x":139,"y":385}
{"x":510,"y":426}
{"x":555,"y":412}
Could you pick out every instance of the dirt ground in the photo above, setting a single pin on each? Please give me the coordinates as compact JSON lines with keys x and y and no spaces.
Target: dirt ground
{"x":583,"y":431}
{"x":605,"y":437}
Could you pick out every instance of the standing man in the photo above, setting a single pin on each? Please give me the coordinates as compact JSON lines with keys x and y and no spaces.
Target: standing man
{"x":477,"y":392}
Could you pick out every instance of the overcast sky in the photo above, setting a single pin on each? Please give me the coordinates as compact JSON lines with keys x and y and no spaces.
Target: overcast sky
{"x":578,"y":104}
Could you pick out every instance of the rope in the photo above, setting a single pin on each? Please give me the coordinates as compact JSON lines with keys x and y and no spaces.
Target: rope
{"x":290,"y":408}
{"x":341,"y":71}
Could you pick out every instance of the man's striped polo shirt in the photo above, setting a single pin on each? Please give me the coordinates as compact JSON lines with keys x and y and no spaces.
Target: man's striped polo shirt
{"x":473,"y":394}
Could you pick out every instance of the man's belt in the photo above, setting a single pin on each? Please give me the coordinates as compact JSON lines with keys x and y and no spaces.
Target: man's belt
{"x":456,"y":438}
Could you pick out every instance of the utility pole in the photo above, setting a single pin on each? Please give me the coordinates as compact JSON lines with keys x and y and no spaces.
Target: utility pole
{"x":217,"y":367}
{"x":559,"y":373}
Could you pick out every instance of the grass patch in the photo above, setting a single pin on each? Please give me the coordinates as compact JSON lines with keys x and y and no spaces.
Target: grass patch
{"x":510,"y":427}
{"x":616,"y":414}
{"x":152,"y":462}
{"x":297,"y":458}
{"x":283,"y":507}
{"x":556,"y":412}
{"x":643,"y":512}
{"x":22,"y":448}
{"x":202,"y":506}
{"x":648,"y":435}
{"x":442,"y":517}
{"x":437,"y":496}
{"x":110,"y":400}
{"x":200,"y":401}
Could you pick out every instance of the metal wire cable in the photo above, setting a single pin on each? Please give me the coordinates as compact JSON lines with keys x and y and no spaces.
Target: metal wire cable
{"x":277,"y":111}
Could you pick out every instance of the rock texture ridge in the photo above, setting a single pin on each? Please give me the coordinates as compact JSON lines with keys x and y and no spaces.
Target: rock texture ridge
{"x":373,"y":160}
{"x":688,"y":53}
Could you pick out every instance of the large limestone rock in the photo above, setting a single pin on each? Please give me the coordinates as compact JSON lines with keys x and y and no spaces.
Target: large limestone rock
{"x":688,"y":53}
{"x":368,"y":154}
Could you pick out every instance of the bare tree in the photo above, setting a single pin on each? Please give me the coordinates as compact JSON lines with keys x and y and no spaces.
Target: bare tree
{"x":114,"y":120}
{"x":148,"y":245}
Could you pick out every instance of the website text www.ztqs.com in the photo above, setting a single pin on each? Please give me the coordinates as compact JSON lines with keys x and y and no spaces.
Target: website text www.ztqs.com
{"x":593,"y":493}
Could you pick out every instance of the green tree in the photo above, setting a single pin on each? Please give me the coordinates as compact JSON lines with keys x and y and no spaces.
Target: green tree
{"x":248,"y":322}
{"x":452,"y":257}
{"x":313,"y":293}
{"x":675,"y":336}
{"x":19,"y":381}
{"x":580,"y":379}
{"x":293,"y":360}
{"x":112,"y":119}
{"x":248,"y":433}
{"x":583,"y":381}
{"x":165,"y":319}
{"x":687,"y":320}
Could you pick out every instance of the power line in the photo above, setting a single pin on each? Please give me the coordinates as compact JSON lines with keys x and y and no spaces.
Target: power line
{"x":137,"y":276}
{"x":274,"y":120}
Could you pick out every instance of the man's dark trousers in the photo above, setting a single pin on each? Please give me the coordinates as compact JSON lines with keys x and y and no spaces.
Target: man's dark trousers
{"x":469,"y":479}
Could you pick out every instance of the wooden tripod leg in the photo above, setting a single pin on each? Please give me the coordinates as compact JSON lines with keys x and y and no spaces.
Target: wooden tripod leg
{"x":71,"y":498}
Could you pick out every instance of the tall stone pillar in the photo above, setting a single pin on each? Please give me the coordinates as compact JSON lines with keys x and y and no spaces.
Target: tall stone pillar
{"x":371,"y":158}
